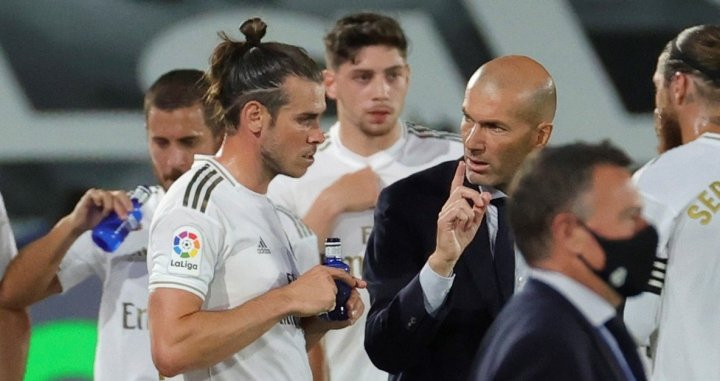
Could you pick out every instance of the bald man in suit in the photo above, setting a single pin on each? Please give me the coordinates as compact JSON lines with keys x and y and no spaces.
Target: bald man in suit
{"x":440,"y":262}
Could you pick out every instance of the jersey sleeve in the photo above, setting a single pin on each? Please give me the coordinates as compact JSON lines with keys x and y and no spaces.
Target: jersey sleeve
{"x":82,"y":260}
{"x":302,"y":240}
{"x":8,"y":249}
{"x":184,"y":249}
{"x":662,"y":217}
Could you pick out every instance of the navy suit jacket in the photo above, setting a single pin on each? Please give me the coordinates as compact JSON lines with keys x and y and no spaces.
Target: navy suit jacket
{"x":540,"y":335}
{"x":400,"y":336}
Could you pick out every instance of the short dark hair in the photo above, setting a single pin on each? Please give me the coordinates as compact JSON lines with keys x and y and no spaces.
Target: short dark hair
{"x":695,"y":50}
{"x":356,"y":31}
{"x":250,"y":70}
{"x":550,"y":182}
{"x":179,"y":89}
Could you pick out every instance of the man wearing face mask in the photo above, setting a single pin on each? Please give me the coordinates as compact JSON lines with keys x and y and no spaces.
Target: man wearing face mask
{"x":677,"y":316}
{"x":577,"y":220}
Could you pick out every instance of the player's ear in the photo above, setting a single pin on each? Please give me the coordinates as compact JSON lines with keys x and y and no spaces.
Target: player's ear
{"x":679,"y":88}
{"x":329,"y":83}
{"x":253,"y":115}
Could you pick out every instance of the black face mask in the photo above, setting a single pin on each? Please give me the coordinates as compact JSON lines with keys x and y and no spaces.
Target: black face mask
{"x":628,"y":262}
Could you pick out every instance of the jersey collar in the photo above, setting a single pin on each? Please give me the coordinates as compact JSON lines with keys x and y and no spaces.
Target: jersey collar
{"x":376,"y":160}
{"x":210,"y":160}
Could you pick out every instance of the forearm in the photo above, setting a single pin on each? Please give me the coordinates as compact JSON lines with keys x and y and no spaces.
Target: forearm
{"x":314,"y":330}
{"x":31,"y":275}
{"x":318,"y":362}
{"x":321,"y":217}
{"x":15,"y":328}
{"x":204,"y":338}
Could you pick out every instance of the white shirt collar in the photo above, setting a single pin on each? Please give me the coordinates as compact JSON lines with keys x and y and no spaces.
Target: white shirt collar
{"x":494,"y":193}
{"x":712,"y":135}
{"x":212,"y":161}
{"x":593,"y":307}
{"x":376,"y":160}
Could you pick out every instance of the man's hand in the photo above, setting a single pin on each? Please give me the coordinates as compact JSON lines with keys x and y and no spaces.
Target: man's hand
{"x":314,"y":292}
{"x":356,"y":191}
{"x":97,"y":204}
{"x":458,"y":221}
{"x":315,"y":327}
{"x":355,"y":308}
{"x":353,"y":192}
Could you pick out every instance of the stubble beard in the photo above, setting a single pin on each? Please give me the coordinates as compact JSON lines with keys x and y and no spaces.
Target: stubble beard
{"x":669,"y":133}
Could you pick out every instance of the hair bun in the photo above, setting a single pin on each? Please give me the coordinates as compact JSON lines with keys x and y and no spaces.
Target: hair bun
{"x":254,"y":30}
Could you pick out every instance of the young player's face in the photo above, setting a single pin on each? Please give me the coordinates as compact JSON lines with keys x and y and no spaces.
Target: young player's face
{"x":496,"y":137}
{"x":174,"y":136}
{"x":370,"y":91}
{"x":288,"y":146}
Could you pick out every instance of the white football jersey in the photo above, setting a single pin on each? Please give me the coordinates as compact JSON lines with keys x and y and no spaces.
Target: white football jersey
{"x":7,"y":240}
{"x":302,"y":239}
{"x":417,"y":149}
{"x":216,"y":239}
{"x":123,"y":347}
{"x":681,"y":191}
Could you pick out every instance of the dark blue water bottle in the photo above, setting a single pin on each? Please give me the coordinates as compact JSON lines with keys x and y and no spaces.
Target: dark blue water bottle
{"x":333,"y":258}
{"x":112,"y":230}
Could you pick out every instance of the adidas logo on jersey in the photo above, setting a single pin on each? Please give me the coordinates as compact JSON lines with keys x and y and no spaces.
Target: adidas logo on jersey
{"x":262,"y":247}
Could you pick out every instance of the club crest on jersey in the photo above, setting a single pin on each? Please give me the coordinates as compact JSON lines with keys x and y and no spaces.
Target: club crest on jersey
{"x":186,"y":251}
{"x":262,"y":247}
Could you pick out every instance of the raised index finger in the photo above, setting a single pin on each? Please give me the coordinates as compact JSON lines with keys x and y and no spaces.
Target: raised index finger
{"x":459,"y":178}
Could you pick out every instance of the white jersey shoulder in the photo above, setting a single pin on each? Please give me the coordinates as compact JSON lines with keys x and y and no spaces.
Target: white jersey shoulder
{"x":187,"y":234}
{"x":681,"y":182}
{"x":668,"y":177}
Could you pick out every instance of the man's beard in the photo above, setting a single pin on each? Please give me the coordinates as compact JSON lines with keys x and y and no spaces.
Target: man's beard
{"x":167,"y":180}
{"x":668,"y":131}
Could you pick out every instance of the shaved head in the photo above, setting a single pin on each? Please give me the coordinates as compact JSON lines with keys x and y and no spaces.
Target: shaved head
{"x":508,"y":112}
{"x":526,"y":79}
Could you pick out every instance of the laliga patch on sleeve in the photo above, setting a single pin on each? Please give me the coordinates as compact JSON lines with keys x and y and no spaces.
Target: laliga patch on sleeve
{"x":187,"y":247}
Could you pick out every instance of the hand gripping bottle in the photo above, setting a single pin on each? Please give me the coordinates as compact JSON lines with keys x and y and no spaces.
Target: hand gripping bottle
{"x":333,"y":258}
{"x":112,"y":230}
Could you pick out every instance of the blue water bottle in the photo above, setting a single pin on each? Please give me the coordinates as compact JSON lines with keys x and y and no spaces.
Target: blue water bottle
{"x":333,"y":258}
{"x":112,"y":230}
